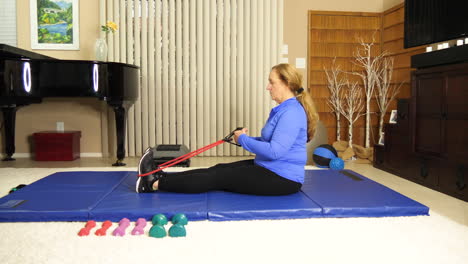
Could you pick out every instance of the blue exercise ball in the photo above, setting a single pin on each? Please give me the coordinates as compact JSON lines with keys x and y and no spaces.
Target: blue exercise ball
{"x":323,"y":154}
{"x":337,"y":164}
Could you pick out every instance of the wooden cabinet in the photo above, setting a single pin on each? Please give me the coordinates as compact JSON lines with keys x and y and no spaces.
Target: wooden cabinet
{"x":431,"y":147}
{"x":394,"y":155}
{"x":440,"y":111}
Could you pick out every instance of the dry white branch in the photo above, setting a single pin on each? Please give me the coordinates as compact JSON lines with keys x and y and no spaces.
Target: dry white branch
{"x":352,"y":106}
{"x":369,"y":76}
{"x":335,"y":83}
{"x":385,"y":90}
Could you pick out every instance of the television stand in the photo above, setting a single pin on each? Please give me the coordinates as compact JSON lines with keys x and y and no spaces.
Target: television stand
{"x":456,"y":54}
{"x":429,"y":143}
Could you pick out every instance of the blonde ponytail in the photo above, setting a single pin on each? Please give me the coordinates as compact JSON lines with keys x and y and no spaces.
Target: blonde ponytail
{"x":293,"y":78}
{"x":312,"y":116}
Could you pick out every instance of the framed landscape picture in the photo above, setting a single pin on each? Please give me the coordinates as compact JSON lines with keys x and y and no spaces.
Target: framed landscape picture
{"x":54,"y":24}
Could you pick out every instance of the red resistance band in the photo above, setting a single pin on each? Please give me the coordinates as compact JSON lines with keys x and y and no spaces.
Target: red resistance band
{"x":173,"y":162}
{"x":183,"y":157}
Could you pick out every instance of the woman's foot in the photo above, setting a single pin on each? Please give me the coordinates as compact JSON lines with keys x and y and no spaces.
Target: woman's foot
{"x":146,"y":164}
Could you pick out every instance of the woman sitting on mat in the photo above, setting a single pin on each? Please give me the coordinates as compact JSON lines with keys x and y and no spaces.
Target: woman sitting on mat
{"x":278,"y":167}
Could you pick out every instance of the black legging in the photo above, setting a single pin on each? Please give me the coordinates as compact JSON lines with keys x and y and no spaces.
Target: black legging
{"x":240,"y":177}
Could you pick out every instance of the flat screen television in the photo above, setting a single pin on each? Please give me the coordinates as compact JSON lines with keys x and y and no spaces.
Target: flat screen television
{"x":432,"y":21}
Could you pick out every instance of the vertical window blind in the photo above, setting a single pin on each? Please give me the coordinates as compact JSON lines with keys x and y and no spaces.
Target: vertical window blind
{"x":8,"y":22}
{"x":204,"y":67}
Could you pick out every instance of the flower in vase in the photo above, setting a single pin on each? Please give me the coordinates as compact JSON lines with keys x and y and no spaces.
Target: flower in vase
{"x":109,"y":27}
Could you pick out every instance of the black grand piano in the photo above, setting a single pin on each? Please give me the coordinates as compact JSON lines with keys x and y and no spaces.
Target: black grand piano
{"x":27,"y":77}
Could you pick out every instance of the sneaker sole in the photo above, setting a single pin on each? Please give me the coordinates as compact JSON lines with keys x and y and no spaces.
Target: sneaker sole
{"x":137,"y":184}
{"x":139,"y":172}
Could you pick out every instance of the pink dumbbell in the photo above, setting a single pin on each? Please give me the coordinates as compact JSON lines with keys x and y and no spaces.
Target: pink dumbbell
{"x":102,"y":231}
{"x":120,"y":230}
{"x":85,"y":230}
{"x":139,"y":227}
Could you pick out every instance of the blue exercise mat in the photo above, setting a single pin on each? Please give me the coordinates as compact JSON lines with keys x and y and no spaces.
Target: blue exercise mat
{"x":125,"y":202}
{"x":86,"y":195}
{"x":349,"y":194}
{"x":62,"y":196}
{"x":224,"y":206}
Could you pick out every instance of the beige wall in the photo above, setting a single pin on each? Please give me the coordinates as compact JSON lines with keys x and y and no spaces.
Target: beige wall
{"x":77,"y":113}
{"x":85,"y":114}
{"x":387,"y":4}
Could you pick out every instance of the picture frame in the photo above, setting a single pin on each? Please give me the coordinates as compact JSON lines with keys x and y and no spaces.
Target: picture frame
{"x":393,"y":117}
{"x":381,"y":139}
{"x":55,"y":24}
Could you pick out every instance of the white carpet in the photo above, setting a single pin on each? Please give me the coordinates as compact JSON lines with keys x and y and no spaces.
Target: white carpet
{"x":422,"y":239}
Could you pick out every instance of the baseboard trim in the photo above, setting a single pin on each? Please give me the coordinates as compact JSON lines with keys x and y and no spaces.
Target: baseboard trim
{"x":91,"y":155}
{"x":82,"y":155}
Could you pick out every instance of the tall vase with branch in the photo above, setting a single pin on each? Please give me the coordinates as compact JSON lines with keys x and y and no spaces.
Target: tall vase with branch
{"x":101,"y":43}
{"x":335,"y":83}
{"x":352,"y":106}
{"x":369,"y":76}
{"x":386,"y":90}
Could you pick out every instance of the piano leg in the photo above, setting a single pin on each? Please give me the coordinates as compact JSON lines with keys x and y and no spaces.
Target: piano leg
{"x":119,"y":111}
{"x":9,"y":120}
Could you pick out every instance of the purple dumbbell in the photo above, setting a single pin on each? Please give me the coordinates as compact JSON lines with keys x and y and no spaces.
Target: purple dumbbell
{"x":139,"y":227}
{"x":120,"y":230}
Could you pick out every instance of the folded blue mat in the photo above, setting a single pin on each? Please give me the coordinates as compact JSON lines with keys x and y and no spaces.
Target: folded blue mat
{"x":349,"y":194}
{"x":125,"y":202}
{"x":91,"y":195}
{"x":62,"y":196}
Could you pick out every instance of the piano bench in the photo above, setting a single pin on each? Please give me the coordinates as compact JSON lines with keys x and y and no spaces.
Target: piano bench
{"x":57,"y":146}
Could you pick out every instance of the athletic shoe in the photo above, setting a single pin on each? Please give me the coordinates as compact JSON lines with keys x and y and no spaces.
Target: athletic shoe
{"x":146,"y":164}
{"x":145,"y":184}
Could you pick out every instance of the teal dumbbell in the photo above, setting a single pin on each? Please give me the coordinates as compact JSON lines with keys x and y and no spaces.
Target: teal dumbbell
{"x":159,"y":219}
{"x":178,"y":229}
{"x":158,"y":230}
{"x":180,"y":219}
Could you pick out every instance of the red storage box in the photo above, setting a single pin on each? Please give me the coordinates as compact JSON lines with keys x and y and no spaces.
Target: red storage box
{"x":57,"y":146}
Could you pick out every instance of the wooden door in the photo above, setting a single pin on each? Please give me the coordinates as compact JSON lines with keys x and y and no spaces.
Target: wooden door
{"x":428,"y":98}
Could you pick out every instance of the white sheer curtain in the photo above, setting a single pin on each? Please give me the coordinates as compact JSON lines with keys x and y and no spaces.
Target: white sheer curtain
{"x":204,"y":67}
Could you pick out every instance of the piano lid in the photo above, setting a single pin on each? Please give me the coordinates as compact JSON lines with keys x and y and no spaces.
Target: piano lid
{"x":13,"y":53}
{"x":10,"y":52}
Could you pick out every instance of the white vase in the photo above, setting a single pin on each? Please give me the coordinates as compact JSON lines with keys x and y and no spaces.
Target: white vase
{"x":101,"y":49}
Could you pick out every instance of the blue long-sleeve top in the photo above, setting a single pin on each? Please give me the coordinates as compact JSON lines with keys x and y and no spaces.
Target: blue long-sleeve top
{"x":282,"y":145}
